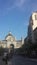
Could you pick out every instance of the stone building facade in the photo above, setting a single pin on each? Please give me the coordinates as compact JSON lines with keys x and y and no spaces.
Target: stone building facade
{"x":10,"y":39}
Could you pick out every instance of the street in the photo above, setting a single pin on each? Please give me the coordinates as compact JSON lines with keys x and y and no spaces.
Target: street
{"x":19,"y":60}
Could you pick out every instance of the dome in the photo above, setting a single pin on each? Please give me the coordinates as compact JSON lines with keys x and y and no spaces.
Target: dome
{"x":9,"y":35}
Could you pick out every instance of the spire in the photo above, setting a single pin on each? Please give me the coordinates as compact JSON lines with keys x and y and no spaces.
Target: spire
{"x":9,"y":33}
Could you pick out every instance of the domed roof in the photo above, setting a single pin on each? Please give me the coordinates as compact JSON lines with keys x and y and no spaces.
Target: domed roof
{"x":9,"y":34}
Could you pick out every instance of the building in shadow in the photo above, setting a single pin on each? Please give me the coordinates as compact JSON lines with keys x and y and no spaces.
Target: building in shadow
{"x":32,"y":27}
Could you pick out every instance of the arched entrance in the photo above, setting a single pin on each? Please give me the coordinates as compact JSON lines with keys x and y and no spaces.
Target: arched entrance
{"x":11,"y":50}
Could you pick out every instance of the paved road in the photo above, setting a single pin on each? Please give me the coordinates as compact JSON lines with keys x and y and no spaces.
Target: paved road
{"x":19,"y":60}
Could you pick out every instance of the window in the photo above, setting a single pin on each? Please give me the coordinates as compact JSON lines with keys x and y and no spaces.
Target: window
{"x":35,"y":17}
{"x":32,"y":22}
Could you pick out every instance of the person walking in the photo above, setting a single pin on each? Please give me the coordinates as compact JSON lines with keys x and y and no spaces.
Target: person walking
{"x":5,"y":59}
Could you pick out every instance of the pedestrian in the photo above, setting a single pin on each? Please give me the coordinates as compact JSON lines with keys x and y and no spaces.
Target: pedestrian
{"x":6,"y":60}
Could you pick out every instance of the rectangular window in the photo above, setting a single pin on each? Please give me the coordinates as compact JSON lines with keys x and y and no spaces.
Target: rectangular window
{"x":35,"y":17}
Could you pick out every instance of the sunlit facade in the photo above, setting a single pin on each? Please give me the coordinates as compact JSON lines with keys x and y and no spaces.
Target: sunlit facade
{"x":32,"y":26}
{"x":10,"y":39}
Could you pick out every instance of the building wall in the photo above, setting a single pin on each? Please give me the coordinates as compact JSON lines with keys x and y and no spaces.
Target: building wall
{"x":10,"y":39}
{"x":34,"y":18}
{"x":3,"y":44}
{"x":32,"y":26}
{"x":18,"y":44}
{"x":35,"y":35}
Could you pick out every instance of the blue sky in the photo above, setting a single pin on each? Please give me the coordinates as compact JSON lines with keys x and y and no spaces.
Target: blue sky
{"x":14,"y":17}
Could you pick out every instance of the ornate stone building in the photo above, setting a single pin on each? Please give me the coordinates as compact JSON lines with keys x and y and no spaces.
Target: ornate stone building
{"x":10,"y":39}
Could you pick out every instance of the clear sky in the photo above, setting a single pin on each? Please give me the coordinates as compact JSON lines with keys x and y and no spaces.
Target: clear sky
{"x":14,"y":17}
